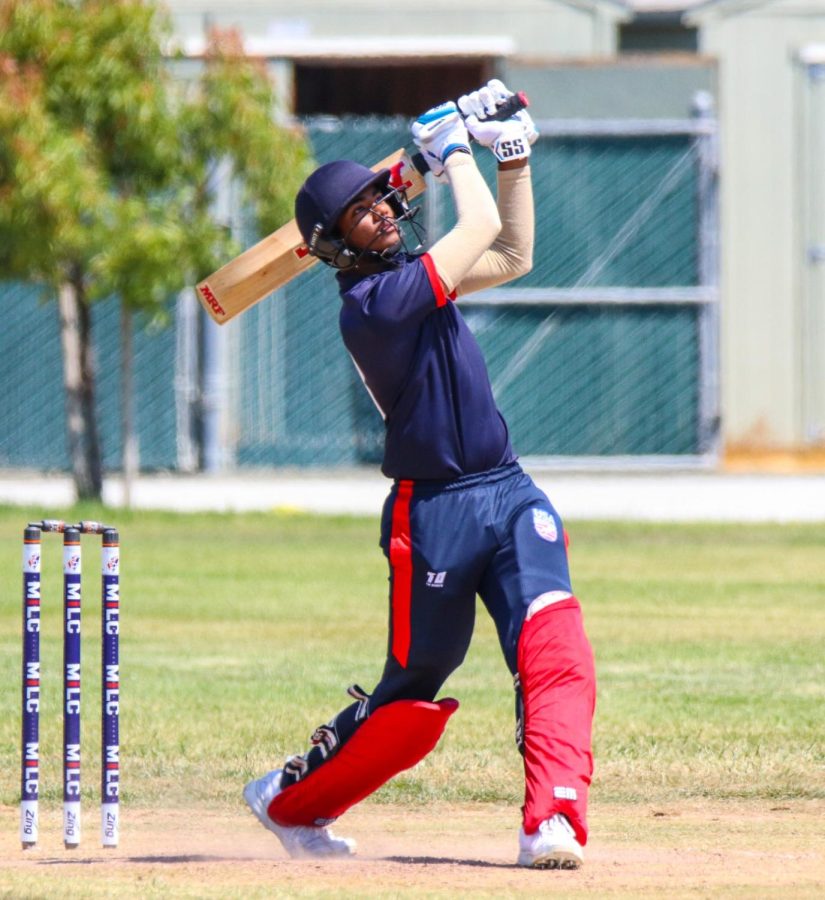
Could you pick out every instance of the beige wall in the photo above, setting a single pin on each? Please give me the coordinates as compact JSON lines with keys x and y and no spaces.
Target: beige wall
{"x":763,"y":264}
{"x":614,"y":88}
{"x":540,"y":28}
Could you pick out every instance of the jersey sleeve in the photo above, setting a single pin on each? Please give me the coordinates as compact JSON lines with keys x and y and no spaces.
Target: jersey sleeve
{"x":441,"y":296}
{"x":403,"y":296}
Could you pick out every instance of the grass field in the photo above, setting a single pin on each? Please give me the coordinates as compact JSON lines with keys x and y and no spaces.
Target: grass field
{"x":241,"y":633}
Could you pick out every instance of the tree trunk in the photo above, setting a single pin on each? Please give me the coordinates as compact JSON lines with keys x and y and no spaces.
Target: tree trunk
{"x":79,"y":385}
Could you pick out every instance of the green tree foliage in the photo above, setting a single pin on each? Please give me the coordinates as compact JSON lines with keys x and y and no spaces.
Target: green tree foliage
{"x":106,"y":158}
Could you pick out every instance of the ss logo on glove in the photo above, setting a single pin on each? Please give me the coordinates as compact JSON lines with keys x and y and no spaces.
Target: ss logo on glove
{"x":511,"y":149}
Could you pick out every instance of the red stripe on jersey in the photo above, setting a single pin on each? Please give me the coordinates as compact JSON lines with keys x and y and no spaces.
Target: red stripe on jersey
{"x":438,"y":288}
{"x":401,"y":563}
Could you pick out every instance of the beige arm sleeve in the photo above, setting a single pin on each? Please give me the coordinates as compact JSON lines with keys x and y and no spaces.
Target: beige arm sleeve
{"x":512,"y":253}
{"x":456,"y":254}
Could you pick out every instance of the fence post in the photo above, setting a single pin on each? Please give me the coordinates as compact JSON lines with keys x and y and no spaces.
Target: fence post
{"x":707,"y":152}
{"x":214,"y":391}
{"x":131,"y":448}
{"x":187,"y":385}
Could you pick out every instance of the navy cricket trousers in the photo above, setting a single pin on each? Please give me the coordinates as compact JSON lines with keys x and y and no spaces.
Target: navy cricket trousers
{"x":495,"y":535}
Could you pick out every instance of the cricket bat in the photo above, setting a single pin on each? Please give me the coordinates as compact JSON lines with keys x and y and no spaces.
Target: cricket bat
{"x":278,"y":258}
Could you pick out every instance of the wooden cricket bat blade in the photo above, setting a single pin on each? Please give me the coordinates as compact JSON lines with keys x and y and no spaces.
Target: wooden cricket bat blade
{"x":279,"y":257}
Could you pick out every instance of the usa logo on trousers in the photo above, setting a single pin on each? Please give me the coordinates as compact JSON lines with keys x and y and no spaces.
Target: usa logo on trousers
{"x":545,"y":525}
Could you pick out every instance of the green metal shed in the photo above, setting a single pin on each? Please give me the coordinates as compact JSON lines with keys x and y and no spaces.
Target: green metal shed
{"x":772,"y":121}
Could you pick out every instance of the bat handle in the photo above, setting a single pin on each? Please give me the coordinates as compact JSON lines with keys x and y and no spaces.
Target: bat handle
{"x":509,"y":108}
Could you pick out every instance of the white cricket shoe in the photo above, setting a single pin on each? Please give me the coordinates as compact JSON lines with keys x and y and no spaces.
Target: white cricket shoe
{"x":298,"y":840}
{"x":553,"y":846}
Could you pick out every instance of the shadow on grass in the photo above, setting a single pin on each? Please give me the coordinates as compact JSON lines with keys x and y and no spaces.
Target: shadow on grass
{"x":146,"y":860}
{"x":214,"y":858}
{"x":447,"y":861}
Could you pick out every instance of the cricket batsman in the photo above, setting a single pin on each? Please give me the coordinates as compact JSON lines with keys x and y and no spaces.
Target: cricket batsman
{"x":462,"y":518}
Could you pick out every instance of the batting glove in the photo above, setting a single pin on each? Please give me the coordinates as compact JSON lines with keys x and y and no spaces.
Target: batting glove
{"x":510,"y":139}
{"x":438,"y":133}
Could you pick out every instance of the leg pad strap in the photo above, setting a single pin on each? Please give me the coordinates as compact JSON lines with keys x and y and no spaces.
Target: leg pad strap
{"x":395,"y":737}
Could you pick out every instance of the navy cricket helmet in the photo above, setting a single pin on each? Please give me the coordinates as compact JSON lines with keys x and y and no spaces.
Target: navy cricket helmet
{"x":325,"y":195}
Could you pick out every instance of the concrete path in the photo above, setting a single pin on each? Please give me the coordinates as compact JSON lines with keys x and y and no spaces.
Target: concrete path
{"x":671,"y":496}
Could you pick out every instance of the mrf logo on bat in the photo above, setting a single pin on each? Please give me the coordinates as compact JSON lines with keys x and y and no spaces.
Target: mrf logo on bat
{"x":207,"y":294}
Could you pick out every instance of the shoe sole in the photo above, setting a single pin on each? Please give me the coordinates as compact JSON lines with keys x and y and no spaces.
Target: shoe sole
{"x":554,"y":859}
{"x":250,"y":795}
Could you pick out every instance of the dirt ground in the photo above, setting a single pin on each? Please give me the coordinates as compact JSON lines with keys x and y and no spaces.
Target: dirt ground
{"x":720,"y":849}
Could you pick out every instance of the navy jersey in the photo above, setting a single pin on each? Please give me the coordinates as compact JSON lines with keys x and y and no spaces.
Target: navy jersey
{"x":425,"y":372}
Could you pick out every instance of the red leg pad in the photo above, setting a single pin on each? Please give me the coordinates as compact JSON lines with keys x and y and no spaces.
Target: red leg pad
{"x":558,"y":681}
{"x":395,"y":737}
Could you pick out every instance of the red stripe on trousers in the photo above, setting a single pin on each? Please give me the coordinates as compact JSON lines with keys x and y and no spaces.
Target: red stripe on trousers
{"x":401,"y":562}
{"x":558,"y":683}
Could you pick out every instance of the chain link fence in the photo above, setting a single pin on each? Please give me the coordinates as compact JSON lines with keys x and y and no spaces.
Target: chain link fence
{"x":32,"y":404}
{"x":605,"y":351}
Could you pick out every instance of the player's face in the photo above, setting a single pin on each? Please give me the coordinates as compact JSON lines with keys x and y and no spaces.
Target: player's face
{"x":368,"y":222}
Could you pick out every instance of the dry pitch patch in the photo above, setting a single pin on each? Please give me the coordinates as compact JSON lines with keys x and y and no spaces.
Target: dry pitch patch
{"x":720,"y":849}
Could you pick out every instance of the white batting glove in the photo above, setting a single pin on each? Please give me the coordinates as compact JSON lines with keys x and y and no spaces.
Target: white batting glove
{"x":510,"y":139}
{"x":502,"y":93}
{"x":439,"y":132}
